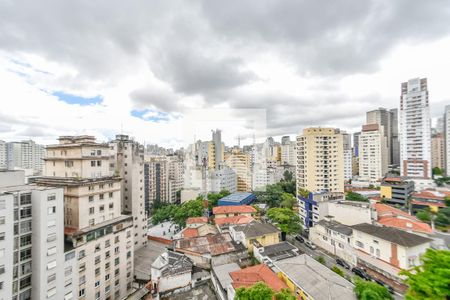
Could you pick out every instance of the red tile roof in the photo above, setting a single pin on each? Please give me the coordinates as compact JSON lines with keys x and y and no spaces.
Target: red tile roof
{"x":251,"y":275}
{"x":395,"y":179}
{"x":190,"y":232}
{"x":233,"y":209}
{"x":197,"y":220}
{"x":432,"y":194}
{"x":405,"y":224}
{"x":384,"y":210}
{"x":236,"y":220}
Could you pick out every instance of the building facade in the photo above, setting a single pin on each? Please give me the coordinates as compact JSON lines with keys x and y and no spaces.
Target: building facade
{"x":24,"y":155}
{"x":239,"y":162}
{"x":31,"y":241}
{"x":438,"y":151}
{"x":99,"y":239}
{"x":320,"y":164}
{"x":415,"y":129}
{"x":447,"y":139}
{"x":373,"y":153}
{"x":127,"y":161}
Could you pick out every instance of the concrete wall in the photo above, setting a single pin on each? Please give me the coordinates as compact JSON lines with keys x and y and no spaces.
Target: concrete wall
{"x":172,"y":282}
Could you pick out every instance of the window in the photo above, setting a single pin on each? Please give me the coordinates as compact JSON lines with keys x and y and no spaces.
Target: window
{"x":91,"y":222}
{"x":116,"y":250}
{"x":107,"y":289}
{"x":91,"y":210}
{"x":91,"y":198}
{"x":117,"y":282}
{"x":107,"y":265}
{"x":2,"y":204}
{"x":25,"y":199}
{"x":116,"y":261}
{"x":97,"y":271}
{"x":111,"y":205}
{"x":107,"y":243}
{"x":99,"y":152}
{"x":81,"y":254}
{"x":101,"y":186}
{"x":25,"y":212}
{"x":81,"y":293}
{"x":68,"y":163}
{"x":102,"y":208}
{"x":116,"y":272}
{"x":82,"y":267}
{"x":371,"y":250}
{"x":99,"y":163}
{"x":51,"y":223}
{"x":378,"y":252}
{"x":101,"y":196}
{"x":51,"y":251}
{"x":97,"y":295}
{"x":92,"y":163}
{"x":51,"y":197}
{"x":97,"y":260}
{"x":25,"y":254}
{"x":97,"y":283}
{"x":51,"y":265}
{"x":110,"y":194}
{"x":359,"y":244}
{"x":91,"y":187}
{"x":2,"y":269}
{"x":68,"y":296}
{"x":107,"y":255}
{"x":68,"y":271}
{"x":2,"y":220}
{"x":51,"y":278}
{"x":2,"y":236}
{"x":51,"y":237}
{"x":51,"y":210}
{"x":82,"y":279}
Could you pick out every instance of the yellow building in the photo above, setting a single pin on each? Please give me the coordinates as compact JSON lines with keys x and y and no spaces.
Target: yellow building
{"x":239,"y":162}
{"x":320,"y":160}
{"x":264,"y":233}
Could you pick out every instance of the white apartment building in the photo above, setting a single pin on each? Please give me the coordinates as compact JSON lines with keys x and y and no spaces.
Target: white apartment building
{"x":288,"y":153}
{"x":373,"y":153}
{"x":348,"y":156}
{"x":176,"y":176}
{"x":320,"y":160}
{"x":447,"y":139}
{"x":415,"y":129}
{"x":222,"y":179}
{"x":99,"y":239}
{"x":314,"y":208}
{"x":127,"y":161}
{"x":25,"y":155}
{"x":31,"y":240}
{"x":262,"y":177}
{"x":3,"y":157}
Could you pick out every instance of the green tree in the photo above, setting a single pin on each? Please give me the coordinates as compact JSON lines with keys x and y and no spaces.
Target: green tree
{"x":447,"y":201}
{"x":288,"y":176}
{"x":192,"y":208}
{"x":321,"y":259}
{"x":287,"y":220}
{"x":368,"y":290}
{"x":260,"y":291}
{"x":437,"y":171}
{"x":304,"y":193}
{"x":356,"y":197}
{"x":338,"y":271}
{"x":423,"y":215}
{"x":287,"y":200}
{"x":213,"y":198}
{"x":430,"y":280}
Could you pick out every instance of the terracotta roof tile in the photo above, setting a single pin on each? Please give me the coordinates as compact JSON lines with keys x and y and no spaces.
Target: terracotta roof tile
{"x":233,"y":209}
{"x":197,"y":220}
{"x":234,"y":220}
{"x":251,"y":275}
{"x":405,"y":224}
{"x":190,"y":232}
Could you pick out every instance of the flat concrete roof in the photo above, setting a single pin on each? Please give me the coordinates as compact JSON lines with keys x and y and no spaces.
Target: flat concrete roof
{"x":144,"y":258}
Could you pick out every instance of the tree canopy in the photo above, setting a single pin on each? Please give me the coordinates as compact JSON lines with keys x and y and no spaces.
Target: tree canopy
{"x":287,"y":220}
{"x":356,"y":197}
{"x":213,"y":198}
{"x":178,"y":213}
{"x":368,"y":290}
{"x":431,"y":280}
{"x":260,"y":291}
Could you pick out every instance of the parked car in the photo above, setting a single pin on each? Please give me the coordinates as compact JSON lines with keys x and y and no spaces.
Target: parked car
{"x":300,"y":238}
{"x":390,"y":288}
{"x":343,"y":263}
{"x":361,"y":273}
{"x":310,"y":245}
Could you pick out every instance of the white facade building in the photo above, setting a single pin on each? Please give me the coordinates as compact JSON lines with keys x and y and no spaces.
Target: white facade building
{"x":3,"y":158}
{"x":25,"y":155}
{"x":32,"y":248}
{"x":222,"y":179}
{"x":373,"y":153}
{"x":415,"y":129}
{"x":447,"y":139}
{"x":288,"y":153}
{"x":127,"y":161}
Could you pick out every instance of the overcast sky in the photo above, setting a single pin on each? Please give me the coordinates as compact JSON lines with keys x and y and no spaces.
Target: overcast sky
{"x":165,"y":71}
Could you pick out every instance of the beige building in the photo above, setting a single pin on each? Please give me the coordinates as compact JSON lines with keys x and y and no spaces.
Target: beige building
{"x":99,"y":239}
{"x":373,"y":153}
{"x":320,"y":160}
{"x":438,"y":151}
{"x":127,"y":161}
{"x":239,"y":162}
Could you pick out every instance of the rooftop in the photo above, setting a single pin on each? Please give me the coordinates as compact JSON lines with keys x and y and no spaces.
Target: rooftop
{"x":214,"y":244}
{"x":393,"y":235}
{"x":236,"y":197}
{"x":432,"y":194}
{"x":235,"y":220}
{"x":222,"y":273}
{"x":233,"y":209}
{"x":144,"y":257}
{"x":172,"y":263}
{"x":166,"y":230}
{"x":197,"y":220}
{"x":256,"y":229}
{"x":251,"y":275}
{"x":280,"y":251}
{"x":315,"y":279}
{"x":336,"y":226}
{"x":405,"y":224}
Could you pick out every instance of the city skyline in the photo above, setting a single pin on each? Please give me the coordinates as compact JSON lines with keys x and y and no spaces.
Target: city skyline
{"x":142,"y":76}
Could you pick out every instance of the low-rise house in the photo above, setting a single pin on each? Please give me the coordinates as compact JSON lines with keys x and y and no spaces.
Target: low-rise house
{"x":387,"y":250}
{"x":265,"y":233}
{"x":309,"y":279}
{"x":224,"y":224}
{"x":271,"y":253}
{"x":393,"y":217}
{"x":211,"y":250}
{"x":251,"y":275}
{"x":429,"y":197}
{"x":334,"y":237}
{"x":171,"y":271}
{"x":221,"y":279}
{"x":233,"y":211}
{"x":201,"y":230}
{"x":194,"y":222}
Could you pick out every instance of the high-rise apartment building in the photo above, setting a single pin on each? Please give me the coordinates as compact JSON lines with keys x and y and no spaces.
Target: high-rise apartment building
{"x":127,"y":161}
{"x":239,"y":162}
{"x":31,"y":239}
{"x":447,"y":139}
{"x":438,"y":151}
{"x":320,"y":165}
{"x":25,"y":155}
{"x":3,"y":157}
{"x":217,"y":149}
{"x":223,"y":179}
{"x":99,"y":239}
{"x":415,"y":129}
{"x":288,"y":151}
{"x":373,"y":153}
{"x":348,"y":156}
{"x":395,"y":143}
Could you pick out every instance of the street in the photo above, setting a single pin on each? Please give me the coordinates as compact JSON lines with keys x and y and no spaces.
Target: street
{"x":329,"y":260}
